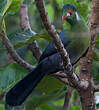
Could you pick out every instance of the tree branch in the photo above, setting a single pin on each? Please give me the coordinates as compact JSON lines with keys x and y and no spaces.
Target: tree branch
{"x":14,"y":54}
{"x":62,"y":77}
{"x":72,"y":77}
{"x":24,"y":23}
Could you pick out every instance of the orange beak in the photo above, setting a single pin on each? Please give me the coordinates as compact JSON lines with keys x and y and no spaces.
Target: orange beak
{"x":64,"y":18}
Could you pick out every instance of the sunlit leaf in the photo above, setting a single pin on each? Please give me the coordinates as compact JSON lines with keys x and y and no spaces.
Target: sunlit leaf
{"x":75,"y":108}
{"x":1,"y":106}
{"x":14,"y":7}
{"x":46,"y":107}
{"x":10,"y":6}
{"x":50,"y":11}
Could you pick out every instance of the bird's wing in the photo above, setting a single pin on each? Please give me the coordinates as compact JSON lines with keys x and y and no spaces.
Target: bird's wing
{"x":50,"y":49}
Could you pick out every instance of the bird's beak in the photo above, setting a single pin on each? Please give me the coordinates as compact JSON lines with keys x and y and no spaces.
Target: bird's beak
{"x":64,"y":18}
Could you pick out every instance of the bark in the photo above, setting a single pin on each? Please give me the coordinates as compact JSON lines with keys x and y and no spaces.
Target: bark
{"x":87,"y":96}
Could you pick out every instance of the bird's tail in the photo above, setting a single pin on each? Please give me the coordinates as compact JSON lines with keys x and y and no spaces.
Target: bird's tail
{"x":24,"y":87}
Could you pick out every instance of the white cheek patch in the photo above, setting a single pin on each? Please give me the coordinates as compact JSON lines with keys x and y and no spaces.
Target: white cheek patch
{"x":68,"y":14}
{"x":77,"y":16}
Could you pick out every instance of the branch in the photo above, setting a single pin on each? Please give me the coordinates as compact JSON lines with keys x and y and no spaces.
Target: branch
{"x":59,"y":74}
{"x":72,"y":77}
{"x":14,"y":54}
{"x":24,"y":19}
{"x":67,"y":98}
{"x":24,"y":23}
{"x":62,"y":77}
{"x":36,"y":51}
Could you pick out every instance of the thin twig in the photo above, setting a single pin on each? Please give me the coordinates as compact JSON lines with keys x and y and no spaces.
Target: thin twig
{"x":61,"y":76}
{"x":72,"y":77}
{"x":67,"y":98}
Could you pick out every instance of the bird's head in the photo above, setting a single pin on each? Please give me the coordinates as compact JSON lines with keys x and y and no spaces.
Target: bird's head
{"x":70,"y":14}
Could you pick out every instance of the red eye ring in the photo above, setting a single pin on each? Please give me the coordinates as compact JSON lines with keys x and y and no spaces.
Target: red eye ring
{"x":70,"y":11}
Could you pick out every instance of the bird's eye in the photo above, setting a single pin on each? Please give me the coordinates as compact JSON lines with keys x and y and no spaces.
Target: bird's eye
{"x":69,"y":13}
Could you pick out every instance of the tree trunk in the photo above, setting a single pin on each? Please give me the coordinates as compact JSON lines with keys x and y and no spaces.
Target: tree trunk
{"x":87,"y":96}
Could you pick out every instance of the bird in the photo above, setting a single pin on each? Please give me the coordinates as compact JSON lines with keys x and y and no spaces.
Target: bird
{"x":76,"y":41}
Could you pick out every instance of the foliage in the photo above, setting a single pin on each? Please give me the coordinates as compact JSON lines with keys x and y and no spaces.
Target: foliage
{"x":47,"y":94}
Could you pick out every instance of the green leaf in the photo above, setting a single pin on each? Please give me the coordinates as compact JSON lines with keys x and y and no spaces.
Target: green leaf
{"x":46,"y":107}
{"x":97,"y":40}
{"x":4,"y":60}
{"x":28,"y":2}
{"x":14,"y":7}
{"x":95,"y":72}
{"x":0,"y":22}
{"x":1,"y":106}
{"x":37,"y":101}
{"x":10,"y":6}
{"x":96,"y":54}
{"x":2,"y":5}
{"x":20,"y":38}
{"x":50,"y":11}
{"x":6,"y":7}
{"x":10,"y":75}
{"x":7,"y":107}
{"x":75,"y":108}
{"x":25,"y":38}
